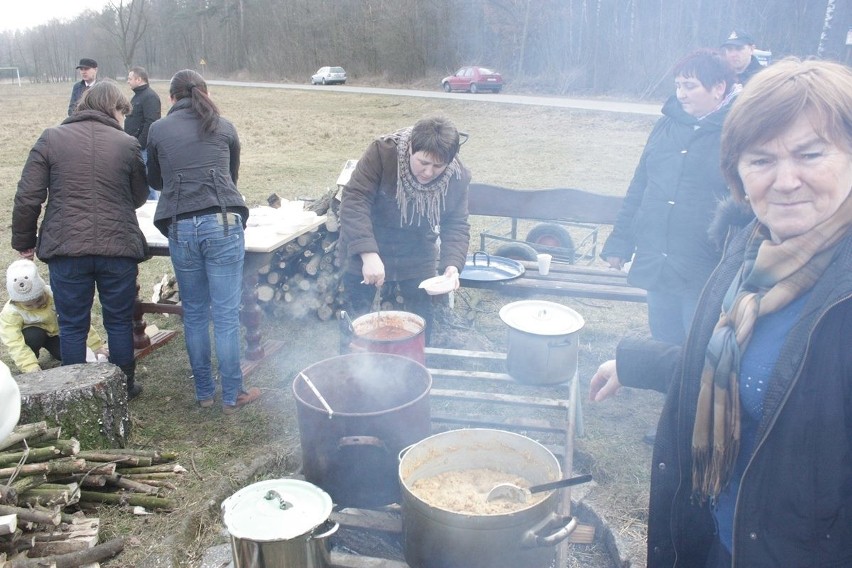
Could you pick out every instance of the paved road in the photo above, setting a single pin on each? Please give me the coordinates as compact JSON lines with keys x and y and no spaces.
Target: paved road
{"x":563,"y":102}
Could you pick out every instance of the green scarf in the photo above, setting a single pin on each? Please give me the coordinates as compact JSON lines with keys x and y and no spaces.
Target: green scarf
{"x":772,"y":276}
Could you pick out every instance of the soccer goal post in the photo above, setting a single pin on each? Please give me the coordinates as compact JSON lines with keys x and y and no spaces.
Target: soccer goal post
{"x":17,"y":78}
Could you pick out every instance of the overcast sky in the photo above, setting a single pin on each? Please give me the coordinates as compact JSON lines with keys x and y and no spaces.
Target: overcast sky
{"x":21,"y":14}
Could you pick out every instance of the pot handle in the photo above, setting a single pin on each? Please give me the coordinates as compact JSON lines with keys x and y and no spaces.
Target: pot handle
{"x":487,"y":257}
{"x":564,"y":525}
{"x":348,"y":441}
{"x":331,"y":530}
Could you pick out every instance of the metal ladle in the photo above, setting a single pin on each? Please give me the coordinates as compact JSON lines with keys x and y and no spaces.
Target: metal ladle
{"x":511,"y":492}
{"x":317,"y":394}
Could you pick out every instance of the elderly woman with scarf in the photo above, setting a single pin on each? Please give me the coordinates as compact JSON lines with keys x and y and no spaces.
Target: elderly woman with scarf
{"x":753,"y":458}
{"x":408,"y":187}
{"x":662,"y":225}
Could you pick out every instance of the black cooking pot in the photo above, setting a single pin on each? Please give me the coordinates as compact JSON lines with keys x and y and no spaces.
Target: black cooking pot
{"x":372,"y":406}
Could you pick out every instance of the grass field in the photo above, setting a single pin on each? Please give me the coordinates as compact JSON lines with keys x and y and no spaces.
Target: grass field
{"x":294,"y":143}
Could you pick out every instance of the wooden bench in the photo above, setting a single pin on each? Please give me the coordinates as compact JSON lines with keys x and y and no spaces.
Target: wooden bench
{"x":570,"y":206}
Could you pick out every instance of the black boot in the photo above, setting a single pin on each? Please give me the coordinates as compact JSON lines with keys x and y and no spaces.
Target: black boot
{"x":133,"y":390}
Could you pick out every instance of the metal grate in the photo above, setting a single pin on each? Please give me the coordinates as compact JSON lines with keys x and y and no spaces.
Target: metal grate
{"x":470,"y":390}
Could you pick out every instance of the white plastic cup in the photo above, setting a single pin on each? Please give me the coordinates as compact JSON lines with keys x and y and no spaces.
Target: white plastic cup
{"x":544,"y":264}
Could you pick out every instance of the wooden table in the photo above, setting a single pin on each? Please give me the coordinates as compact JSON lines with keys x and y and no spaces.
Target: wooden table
{"x":268,"y":230}
{"x":567,"y":280}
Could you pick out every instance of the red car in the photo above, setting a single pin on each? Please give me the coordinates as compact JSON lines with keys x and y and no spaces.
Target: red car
{"x":473,"y":79}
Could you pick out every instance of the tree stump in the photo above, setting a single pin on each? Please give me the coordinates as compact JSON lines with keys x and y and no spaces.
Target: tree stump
{"x":88,"y":401}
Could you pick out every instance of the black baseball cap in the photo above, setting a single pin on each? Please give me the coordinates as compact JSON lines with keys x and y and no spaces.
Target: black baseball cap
{"x":738,"y":37}
{"x":86,"y":63}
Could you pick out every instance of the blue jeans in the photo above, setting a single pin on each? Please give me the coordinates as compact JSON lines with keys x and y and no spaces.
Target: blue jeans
{"x":153,"y":194}
{"x":670,"y":315}
{"x":209,"y":271}
{"x":73,"y":281}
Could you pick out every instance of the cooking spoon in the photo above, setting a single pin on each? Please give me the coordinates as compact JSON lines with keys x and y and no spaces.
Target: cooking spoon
{"x":511,"y":492}
{"x":316,"y":391}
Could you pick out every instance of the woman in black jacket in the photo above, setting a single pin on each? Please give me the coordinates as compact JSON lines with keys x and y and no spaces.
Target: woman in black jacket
{"x":752,"y":463}
{"x":194,"y":158}
{"x":662,"y":225}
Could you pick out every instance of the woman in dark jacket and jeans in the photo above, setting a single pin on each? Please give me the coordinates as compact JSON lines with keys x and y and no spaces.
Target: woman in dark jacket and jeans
{"x":194,"y":158}
{"x":752,"y":464}
{"x":93,"y":178}
{"x":662,"y":225}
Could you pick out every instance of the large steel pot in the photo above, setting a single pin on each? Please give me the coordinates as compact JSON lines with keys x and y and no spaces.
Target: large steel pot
{"x":439,"y":538}
{"x":391,"y":331}
{"x":375,"y":405}
{"x":543,"y":341}
{"x":279,"y":523}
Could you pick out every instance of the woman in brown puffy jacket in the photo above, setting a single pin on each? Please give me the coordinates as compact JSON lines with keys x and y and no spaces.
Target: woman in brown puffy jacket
{"x":93,"y":178}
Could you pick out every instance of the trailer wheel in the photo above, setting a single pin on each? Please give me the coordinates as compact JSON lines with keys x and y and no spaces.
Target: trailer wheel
{"x":552,"y":235}
{"x":517,"y":251}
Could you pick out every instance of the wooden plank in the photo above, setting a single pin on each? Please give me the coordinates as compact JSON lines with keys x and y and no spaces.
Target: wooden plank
{"x":573,"y":205}
{"x":157,"y":340}
{"x":368,"y":519}
{"x":342,"y":560}
{"x":500,"y":398}
{"x":465,"y":353}
{"x":515,"y":423}
{"x":472,"y":375}
{"x":527,"y":287}
{"x":564,"y":268}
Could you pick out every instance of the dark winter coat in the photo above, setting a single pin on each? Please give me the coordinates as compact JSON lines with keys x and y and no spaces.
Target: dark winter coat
{"x":663,"y":221}
{"x":146,"y":110}
{"x":76,"y":94}
{"x":196,"y":172}
{"x":753,"y":67}
{"x":92,"y":176}
{"x":794,"y":506}
{"x":370,"y":221}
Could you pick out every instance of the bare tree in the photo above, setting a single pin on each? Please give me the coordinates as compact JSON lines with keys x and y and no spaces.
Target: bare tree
{"x":126,"y":23}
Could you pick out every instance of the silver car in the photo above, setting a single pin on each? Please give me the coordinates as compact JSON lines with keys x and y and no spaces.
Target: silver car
{"x":329,"y":76}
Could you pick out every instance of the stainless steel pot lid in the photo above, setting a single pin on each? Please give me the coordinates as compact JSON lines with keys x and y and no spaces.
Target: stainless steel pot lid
{"x":275,"y":509}
{"x":541,"y":318}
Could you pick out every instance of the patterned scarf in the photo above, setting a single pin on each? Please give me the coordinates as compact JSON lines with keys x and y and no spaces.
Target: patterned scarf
{"x":416,"y":200}
{"x":772,"y":276}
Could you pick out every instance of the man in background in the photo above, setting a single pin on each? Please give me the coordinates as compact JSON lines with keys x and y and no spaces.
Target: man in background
{"x":739,"y":51}
{"x":146,"y":109}
{"x":88,"y":74}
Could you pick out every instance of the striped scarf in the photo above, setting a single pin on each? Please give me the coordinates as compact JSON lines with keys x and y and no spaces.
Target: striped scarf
{"x":772,"y":276}
{"x":416,"y":200}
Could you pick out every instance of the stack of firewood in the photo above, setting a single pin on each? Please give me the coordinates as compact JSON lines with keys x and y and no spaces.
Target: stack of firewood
{"x":303,"y":277}
{"x":48,"y":484}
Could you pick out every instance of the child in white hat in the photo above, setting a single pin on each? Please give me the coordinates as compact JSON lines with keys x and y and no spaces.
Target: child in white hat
{"x":28,"y":321}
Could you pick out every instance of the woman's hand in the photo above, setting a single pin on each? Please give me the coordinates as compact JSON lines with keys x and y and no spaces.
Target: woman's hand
{"x":615,"y":262}
{"x":604,"y":382}
{"x":29,"y":254}
{"x":453,"y":272}
{"x":373,"y":269}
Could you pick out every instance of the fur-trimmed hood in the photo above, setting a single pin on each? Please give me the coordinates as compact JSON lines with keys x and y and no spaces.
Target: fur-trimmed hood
{"x":730,"y":217}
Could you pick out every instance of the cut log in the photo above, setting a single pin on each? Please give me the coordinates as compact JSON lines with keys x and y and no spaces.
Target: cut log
{"x":73,"y":559}
{"x":24,"y":431}
{"x":146,"y":501}
{"x":89,"y":402}
{"x":8,"y":495}
{"x":118,"y":459}
{"x":29,"y":456}
{"x":312,"y":266}
{"x":32,"y":515}
{"x":8,"y":524}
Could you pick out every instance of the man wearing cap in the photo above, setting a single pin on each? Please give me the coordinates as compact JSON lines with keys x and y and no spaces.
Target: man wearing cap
{"x":89,"y":74}
{"x":739,"y":51}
